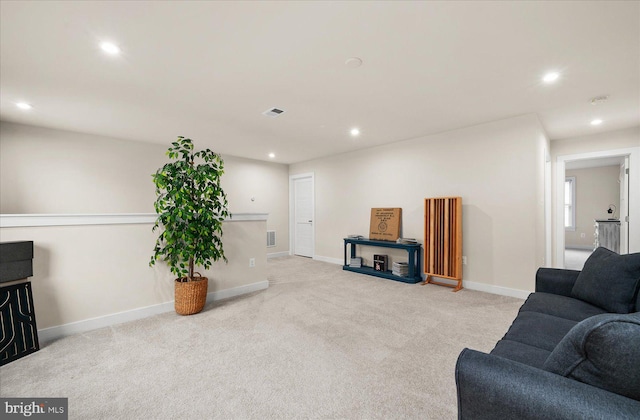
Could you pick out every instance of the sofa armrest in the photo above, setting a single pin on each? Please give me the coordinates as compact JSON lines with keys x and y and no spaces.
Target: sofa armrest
{"x":556,"y":281}
{"x":492,"y":387}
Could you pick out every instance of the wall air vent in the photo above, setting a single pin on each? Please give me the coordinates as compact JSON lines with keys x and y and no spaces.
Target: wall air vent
{"x":273,"y":112}
{"x":271,"y":238}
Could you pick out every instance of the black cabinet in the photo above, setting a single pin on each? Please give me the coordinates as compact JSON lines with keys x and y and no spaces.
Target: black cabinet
{"x":18,"y":330}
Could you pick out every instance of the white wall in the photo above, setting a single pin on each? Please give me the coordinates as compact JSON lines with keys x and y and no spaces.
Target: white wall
{"x":260,"y":187}
{"x":497,"y":168}
{"x":608,"y":140}
{"x":55,"y":171}
{"x":87,"y":272}
{"x":596,"y":188}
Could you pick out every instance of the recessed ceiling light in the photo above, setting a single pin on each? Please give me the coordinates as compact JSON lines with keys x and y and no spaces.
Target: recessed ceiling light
{"x":355,"y":132}
{"x":24,"y":106}
{"x":110,"y":48}
{"x":272,"y":155}
{"x":550,"y":77}
{"x":597,"y":121}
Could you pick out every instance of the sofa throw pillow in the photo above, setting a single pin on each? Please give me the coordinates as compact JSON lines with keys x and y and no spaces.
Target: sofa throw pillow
{"x":603,"y":351}
{"x":609,"y":281}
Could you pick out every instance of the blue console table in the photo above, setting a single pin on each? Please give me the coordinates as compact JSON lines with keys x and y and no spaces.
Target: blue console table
{"x":415,"y":259}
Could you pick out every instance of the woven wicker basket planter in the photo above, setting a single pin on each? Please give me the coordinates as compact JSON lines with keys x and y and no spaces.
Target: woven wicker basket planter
{"x":191,"y":295}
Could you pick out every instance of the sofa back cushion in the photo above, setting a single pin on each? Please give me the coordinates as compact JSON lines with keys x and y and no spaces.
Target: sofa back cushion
{"x":609,"y":281}
{"x":603,"y":351}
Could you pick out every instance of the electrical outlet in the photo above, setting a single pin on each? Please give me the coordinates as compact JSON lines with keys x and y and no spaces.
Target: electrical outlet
{"x":582,"y":235}
{"x":464,"y":260}
{"x":252,"y":262}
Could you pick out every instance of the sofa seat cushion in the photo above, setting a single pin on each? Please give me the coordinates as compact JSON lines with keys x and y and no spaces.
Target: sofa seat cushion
{"x":539,"y":330}
{"x":519,"y":352}
{"x":560,"y":306}
{"x":603,"y":351}
{"x":609,"y":280}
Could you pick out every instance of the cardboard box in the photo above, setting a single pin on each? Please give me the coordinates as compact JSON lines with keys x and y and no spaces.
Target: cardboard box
{"x":385,"y":224}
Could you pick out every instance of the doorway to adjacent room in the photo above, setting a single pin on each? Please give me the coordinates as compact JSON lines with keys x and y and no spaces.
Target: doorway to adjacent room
{"x":592,"y":190}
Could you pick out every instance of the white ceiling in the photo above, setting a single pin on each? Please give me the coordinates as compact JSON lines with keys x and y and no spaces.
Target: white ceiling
{"x":207,"y":70}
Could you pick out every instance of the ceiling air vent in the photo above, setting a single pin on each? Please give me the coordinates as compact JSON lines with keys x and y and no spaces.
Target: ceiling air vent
{"x":273,"y":112}
{"x":599,"y":100}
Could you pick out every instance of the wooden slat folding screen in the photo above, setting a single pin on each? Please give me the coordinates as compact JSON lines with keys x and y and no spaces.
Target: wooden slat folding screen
{"x":443,"y":240}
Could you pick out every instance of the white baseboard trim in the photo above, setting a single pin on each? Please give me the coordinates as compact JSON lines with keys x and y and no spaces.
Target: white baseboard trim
{"x":471,"y":285}
{"x":496,"y":290}
{"x":278,"y":254}
{"x":328,"y":259}
{"x":53,"y":333}
{"x":237,"y":291}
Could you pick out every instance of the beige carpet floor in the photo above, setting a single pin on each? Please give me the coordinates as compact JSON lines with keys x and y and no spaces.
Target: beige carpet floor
{"x":319,"y":343}
{"x":574,"y":259}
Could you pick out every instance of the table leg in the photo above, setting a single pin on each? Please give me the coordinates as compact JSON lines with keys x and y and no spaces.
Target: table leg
{"x":412,"y":263}
{"x":345,"y":252}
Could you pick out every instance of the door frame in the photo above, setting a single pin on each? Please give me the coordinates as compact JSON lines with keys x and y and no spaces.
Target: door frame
{"x":634,"y":198}
{"x":625,"y":191}
{"x":548,"y":209}
{"x":292,"y":215}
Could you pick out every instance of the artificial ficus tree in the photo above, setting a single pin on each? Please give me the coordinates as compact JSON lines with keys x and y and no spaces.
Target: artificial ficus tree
{"x":191,"y":208}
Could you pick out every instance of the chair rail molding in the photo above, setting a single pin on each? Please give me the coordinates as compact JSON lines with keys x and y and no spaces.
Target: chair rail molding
{"x":37,"y":220}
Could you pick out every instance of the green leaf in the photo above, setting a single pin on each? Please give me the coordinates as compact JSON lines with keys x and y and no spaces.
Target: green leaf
{"x":191,"y":208}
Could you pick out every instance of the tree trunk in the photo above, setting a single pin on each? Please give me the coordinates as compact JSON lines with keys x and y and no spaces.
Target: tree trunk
{"x":190,"y":268}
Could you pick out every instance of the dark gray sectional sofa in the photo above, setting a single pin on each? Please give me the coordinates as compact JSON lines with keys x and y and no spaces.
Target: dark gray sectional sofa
{"x":573,"y":351}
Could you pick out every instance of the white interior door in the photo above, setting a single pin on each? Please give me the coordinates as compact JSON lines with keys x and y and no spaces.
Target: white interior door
{"x":303,"y":213}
